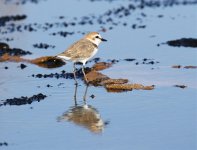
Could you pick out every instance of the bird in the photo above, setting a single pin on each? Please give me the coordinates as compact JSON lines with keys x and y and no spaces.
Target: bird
{"x":82,"y":51}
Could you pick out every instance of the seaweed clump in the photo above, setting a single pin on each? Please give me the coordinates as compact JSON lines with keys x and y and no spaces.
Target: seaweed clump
{"x":23,"y":100}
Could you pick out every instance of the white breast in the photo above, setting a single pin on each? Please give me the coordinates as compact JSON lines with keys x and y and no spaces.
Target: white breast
{"x":92,"y":55}
{"x":94,"y":52}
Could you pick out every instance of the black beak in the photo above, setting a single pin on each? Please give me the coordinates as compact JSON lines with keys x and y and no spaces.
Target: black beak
{"x":103,"y":40}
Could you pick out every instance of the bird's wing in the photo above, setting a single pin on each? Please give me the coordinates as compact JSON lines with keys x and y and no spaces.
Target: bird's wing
{"x":80,"y":49}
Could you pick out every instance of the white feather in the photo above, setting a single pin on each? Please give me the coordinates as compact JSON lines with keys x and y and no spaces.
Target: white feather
{"x":64,"y":57}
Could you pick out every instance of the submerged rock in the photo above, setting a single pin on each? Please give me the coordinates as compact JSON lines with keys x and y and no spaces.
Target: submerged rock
{"x":186,"y":67}
{"x":190,"y":67}
{"x":180,"y":86}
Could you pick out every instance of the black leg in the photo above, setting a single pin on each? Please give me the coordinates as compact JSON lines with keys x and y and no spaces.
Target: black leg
{"x":75,"y":94}
{"x":74,"y":70}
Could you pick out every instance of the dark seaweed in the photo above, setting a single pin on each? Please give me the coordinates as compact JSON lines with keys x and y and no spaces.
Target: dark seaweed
{"x":4,"y":48}
{"x":22,"y":66}
{"x":23,"y":100}
{"x":3,"y":144}
{"x":5,"y":19}
{"x":185,"y":42}
{"x":22,"y":2}
{"x":63,"y":74}
{"x":63,"y":33}
{"x":108,"y":20}
{"x":43,"y":46}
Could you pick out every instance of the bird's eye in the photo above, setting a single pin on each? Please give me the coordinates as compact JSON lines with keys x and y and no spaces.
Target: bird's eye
{"x":97,"y":37}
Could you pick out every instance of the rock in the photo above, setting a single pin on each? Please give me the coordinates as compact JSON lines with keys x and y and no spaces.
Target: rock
{"x":101,"y":66}
{"x":114,"y":81}
{"x":126,"y":87}
{"x":148,"y":87}
{"x":96,"y":78}
{"x":48,"y":62}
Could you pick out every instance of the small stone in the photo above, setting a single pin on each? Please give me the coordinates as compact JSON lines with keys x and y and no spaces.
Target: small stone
{"x":22,"y":66}
{"x":180,"y":86}
{"x":48,"y":85}
{"x":176,"y":66}
{"x":92,"y":96}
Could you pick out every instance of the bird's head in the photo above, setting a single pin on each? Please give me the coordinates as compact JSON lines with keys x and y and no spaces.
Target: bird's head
{"x":94,"y":37}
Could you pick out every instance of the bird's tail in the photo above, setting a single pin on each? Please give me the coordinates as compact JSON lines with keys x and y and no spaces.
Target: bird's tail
{"x":62,"y":57}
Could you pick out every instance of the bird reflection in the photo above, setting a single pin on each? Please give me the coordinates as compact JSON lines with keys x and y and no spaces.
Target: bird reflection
{"x":84,"y":115}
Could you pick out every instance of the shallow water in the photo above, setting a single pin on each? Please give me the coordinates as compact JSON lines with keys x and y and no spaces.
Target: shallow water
{"x":163,"y":118}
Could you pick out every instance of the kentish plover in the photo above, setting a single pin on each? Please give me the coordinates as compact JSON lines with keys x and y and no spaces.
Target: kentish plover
{"x":82,"y":50}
